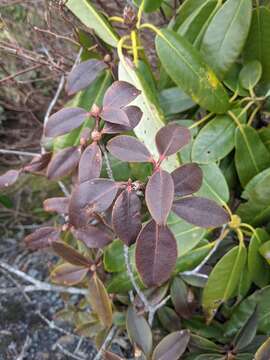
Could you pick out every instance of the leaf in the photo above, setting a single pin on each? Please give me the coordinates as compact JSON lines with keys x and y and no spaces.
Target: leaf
{"x":187,"y":179}
{"x":115,"y":116}
{"x":92,"y":236}
{"x":152,"y":118}
{"x":200,"y":212}
{"x":263,"y":353}
{"x":100,"y":301}
{"x":83,"y":75}
{"x":247,"y":332}
{"x":113,"y":258}
{"x":258,"y":43}
{"x":223,"y":280}
{"x":139,"y":331}
{"x":126,"y":217}
{"x":9,"y":178}
{"x":172,"y":346}
{"x":134,"y":115}
{"x":250,"y":74}
{"x":199,"y":343}
{"x":215,"y":140}
{"x":226,"y":35}
{"x":90,"y":164}
{"x":120,"y":283}
{"x":257,"y":266}
{"x":159,"y":194}
{"x":91,"y":196}
{"x":185,"y":65}
{"x":68,"y":274}
{"x":38,"y":163}
{"x":174,"y":100}
{"x":149,"y":5}
{"x":180,"y":298}
{"x":232,"y":82}
{"x":57,"y":204}
{"x":42,"y":238}
{"x":70,"y":255}
{"x":128,"y":148}
{"x":111,"y":356}
{"x":90,"y":17}
{"x":265,"y":251}
{"x":63,"y":162}
{"x":156,"y":254}
{"x":251,"y":156}
{"x":120,"y":94}
{"x":170,"y":321}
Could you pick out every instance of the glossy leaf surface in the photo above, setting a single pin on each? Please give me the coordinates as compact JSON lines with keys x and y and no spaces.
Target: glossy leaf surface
{"x":92,"y":236}
{"x":57,"y":204}
{"x":172,"y":346}
{"x":187,"y":179}
{"x":68,"y":274}
{"x":120,"y":94}
{"x":250,"y":74}
{"x":90,"y":163}
{"x":69,"y":254}
{"x":63,"y":162}
{"x":42,"y":238}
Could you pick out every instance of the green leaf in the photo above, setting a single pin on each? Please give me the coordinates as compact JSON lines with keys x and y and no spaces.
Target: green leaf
{"x":250,"y":74}
{"x":187,"y":236}
{"x":247,"y":333}
{"x":265,"y":251}
{"x":251,"y":156}
{"x":139,"y":331}
{"x":226,"y":35}
{"x":197,"y":325}
{"x":84,"y":99}
{"x":169,"y":319}
{"x":174,"y":100}
{"x":263,"y":353}
{"x":258,"y":268}
{"x":153,"y":118}
{"x":113,"y":258}
{"x":200,"y":344}
{"x":194,"y":27}
{"x":90,"y":17}
{"x":186,"y":67}
{"x":121,"y":284}
{"x":264,"y":134}
{"x":6,"y":201}
{"x":258,"y":43}
{"x":232,"y":82}
{"x":149,"y":5}
{"x":214,"y":185}
{"x":223,"y":280}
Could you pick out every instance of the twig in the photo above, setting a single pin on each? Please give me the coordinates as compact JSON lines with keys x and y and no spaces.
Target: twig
{"x":12,"y":76}
{"x":58,"y":36}
{"x":25,"y":347}
{"x":154,"y":309}
{"x":107,"y":162}
{"x":106,"y":343}
{"x":38,"y":285}
{"x":68,"y":353}
{"x":15,"y":152}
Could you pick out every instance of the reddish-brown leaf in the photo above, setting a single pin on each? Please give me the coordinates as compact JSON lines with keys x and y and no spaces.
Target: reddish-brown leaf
{"x":172,"y":346}
{"x":65,"y":120}
{"x":172,"y":138}
{"x":159,"y":195}
{"x":156,"y":254}
{"x":38,"y":163}
{"x":111,"y":356}
{"x":120,"y":94}
{"x":57,"y":204}
{"x":83,"y":75}
{"x":200,"y":212}
{"x":9,"y":178}
{"x":91,"y":196}
{"x":70,"y":255}
{"x":42,"y":238}
{"x":128,"y":148}
{"x":64,"y":162}
{"x":115,"y":116}
{"x":92,"y":236}
{"x":68,"y":274}
{"x":126,"y":217}
{"x":90,"y":163}
{"x":134,"y":115}
{"x":187,"y":179}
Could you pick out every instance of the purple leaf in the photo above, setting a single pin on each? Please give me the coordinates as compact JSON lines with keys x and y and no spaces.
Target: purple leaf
{"x":57,"y":204}
{"x":64,"y":162}
{"x":200,"y":212}
{"x":156,"y":254}
{"x":83,"y":75}
{"x":91,"y":196}
{"x":70,"y":255}
{"x":159,"y":195}
{"x":92,"y":236}
{"x":187,"y":179}
{"x":115,"y":116}
{"x":38,"y":163}
{"x":134,"y":115}
{"x":120,"y":94}
{"x":64,"y":121}
{"x":9,"y":178}
{"x":90,"y":163}
{"x":128,"y":148}
{"x":126,"y":217}
{"x":68,"y":274}
{"x":42,"y":238}
{"x":172,"y":138}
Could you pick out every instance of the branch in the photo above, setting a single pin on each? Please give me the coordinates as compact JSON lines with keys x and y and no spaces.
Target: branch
{"x":37,"y":285}
{"x":106,"y":343}
{"x":107,"y":162}
{"x":15,"y":152}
